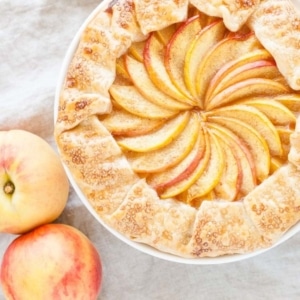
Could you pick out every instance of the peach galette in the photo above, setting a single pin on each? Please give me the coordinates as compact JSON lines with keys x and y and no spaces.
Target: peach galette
{"x":178,"y":121}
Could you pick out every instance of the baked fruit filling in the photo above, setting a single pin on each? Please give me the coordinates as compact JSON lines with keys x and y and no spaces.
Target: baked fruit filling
{"x":201,"y":112}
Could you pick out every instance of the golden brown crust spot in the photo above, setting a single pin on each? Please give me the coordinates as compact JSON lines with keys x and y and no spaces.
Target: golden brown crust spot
{"x":274,"y":206}
{"x":222,"y":228}
{"x":76,"y":106}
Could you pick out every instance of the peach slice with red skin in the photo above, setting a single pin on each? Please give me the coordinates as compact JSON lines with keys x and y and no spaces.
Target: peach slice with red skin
{"x":198,"y":48}
{"x":231,"y":180}
{"x":154,"y":55}
{"x":242,"y":153}
{"x":252,"y":87}
{"x":257,"y":69}
{"x":210,"y":178}
{"x":255,"y":142}
{"x":257,"y":120}
{"x":175,"y":180}
{"x":145,"y":86}
{"x":132,"y":101}
{"x":230,"y":66}
{"x":122,"y":123}
{"x":169,"y":156}
{"x":176,"y":50}
{"x":158,"y":138}
{"x":224,"y":51}
{"x":275,"y":111}
{"x":189,"y":177}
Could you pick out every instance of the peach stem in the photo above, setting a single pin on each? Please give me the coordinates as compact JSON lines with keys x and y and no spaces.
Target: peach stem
{"x":9,"y":188}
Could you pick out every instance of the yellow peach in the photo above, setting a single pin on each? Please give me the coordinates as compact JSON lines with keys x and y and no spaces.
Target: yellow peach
{"x":33,"y":184}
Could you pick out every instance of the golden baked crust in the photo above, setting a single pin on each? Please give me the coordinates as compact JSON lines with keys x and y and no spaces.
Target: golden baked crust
{"x":118,"y":195}
{"x":234,"y":13}
{"x":148,"y":13}
{"x":279,"y":36}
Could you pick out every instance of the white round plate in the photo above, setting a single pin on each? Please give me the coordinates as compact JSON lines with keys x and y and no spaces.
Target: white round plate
{"x":139,"y":246}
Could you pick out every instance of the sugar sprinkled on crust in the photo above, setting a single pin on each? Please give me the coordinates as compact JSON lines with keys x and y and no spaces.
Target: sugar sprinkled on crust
{"x":234,"y":13}
{"x":277,"y":25}
{"x":274,"y":206}
{"x":156,"y":14}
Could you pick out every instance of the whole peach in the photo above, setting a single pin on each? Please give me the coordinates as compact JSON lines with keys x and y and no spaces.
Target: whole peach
{"x":53,"y":261}
{"x":34,"y":187}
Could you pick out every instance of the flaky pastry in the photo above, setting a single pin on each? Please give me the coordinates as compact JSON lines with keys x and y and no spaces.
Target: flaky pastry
{"x":123,"y":199}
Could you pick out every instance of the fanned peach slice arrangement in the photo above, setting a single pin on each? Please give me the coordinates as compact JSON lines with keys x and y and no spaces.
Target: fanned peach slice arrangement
{"x":201,"y":112}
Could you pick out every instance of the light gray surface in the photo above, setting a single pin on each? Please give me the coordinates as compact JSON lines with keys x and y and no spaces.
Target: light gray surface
{"x":34,"y":37}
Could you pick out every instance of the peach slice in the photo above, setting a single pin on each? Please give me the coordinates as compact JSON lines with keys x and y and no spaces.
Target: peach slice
{"x":166,"y":34}
{"x":175,"y":180}
{"x":154,"y":62}
{"x":291,"y":101}
{"x":230,"y":182}
{"x":224,"y":51}
{"x":252,"y":87}
{"x":121,"y":122}
{"x":230,"y":66}
{"x":137,"y":50}
{"x":276,"y":163}
{"x":169,"y":156}
{"x":190,"y":175}
{"x":254,"y":141}
{"x":242,"y":153}
{"x":122,"y":76}
{"x":276,"y":112}
{"x":285,"y":133}
{"x":210,"y":178}
{"x":256,"y":69}
{"x":176,"y":50}
{"x":256,"y":120}
{"x":158,"y":138}
{"x":143,"y":83}
{"x":131,"y":100}
{"x":198,"y":48}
